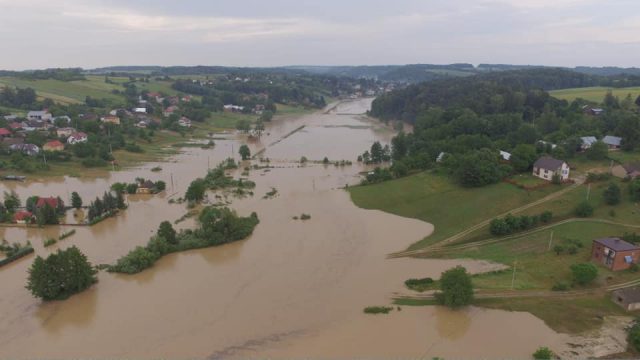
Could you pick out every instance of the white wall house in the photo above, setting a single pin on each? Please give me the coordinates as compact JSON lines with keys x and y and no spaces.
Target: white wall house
{"x":546,"y":167}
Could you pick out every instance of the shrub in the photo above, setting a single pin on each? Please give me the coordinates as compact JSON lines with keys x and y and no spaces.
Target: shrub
{"x":546,"y":216}
{"x":50,"y":241}
{"x":612,"y":194}
{"x":543,"y":353}
{"x":633,"y":335}
{"x":305,"y":217}
{"x":419,"y":284}
{"x":584,"y":273}
{"x":558,"y":249}
{"x":584,"y":209}
{"x":456,"y":288}
{"x":377,"y":309}
{"x":560,"y":286}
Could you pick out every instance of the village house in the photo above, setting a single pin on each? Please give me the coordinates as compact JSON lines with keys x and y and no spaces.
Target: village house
{"x":51,"y":201}
{"x":16,"y":125}
{"x":145,"y":187}
{"x":53,"y":145}
{"x":35,"y":125}
{"x":628,"y":298}
{"x":4,"y":132}
{"x":170,"y":110}
{"x":588,"y":110}
{"x":233,"y":108}
{"x":111,"y":119}
{"x":546,"y":167}
{"x":65,"y":132}
{"x":12,"y":141}
{"x":174,"y":100}
{"x":23,"y":217}
{"x":140,"y":110}
{"x":440,"y":157}
{"x":27,"y":149}
{"x":39,"y":115}
{"x":632,"y":169}
{"x":505,"y":155}
{"x":587,"y":142}
{"x":184,"y":122}
{"x":186,"y":98}
{"x":614,"y":253}
{"x":546,"y":143}
{"x":77,"y":137}
{"x":613,"y":142}
{"x":11,"y":117}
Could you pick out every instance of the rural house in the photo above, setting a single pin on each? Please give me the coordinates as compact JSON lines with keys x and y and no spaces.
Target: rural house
{"x":4,"y":132}
{"x":628,"y":298}
{"x":632,"y":169}
{"x":53,"y":145}
{"x":170,"y":110}
{"x":51,"y":201}
{"x":505,"y":155}
{"x":614,"y":253}
{"x":27,"y":149}
{"x":185,"y":122}
{"x":39,"y":115}
{"x":22,"y":217}
{"x":145,"y":187}
{"x":546,"y":167}
{"x":111,"y":119}
{"x":76,"y":138}
{"x":613,"y":142}
{"x":65,"y":132}
{"x":587,"y":142}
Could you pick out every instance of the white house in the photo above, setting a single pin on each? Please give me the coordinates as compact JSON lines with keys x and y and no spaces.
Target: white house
{"x":140,"y":110}
{"x":76,"y":138}
{"x":546,"y":167}
{"x":505,"y":155}
{"x":185,"y":122}
{"x":39,"y":115}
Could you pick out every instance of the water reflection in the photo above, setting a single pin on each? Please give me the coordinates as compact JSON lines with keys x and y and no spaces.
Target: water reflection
{"x":452,"y":324}
{"x":77,"y":311}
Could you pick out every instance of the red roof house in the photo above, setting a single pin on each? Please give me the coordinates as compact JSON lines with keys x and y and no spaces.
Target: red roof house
{"x":4,"y":132}
{"x":53,"y":202}
{"x":22,"y":217}
{"x":53,"y":145}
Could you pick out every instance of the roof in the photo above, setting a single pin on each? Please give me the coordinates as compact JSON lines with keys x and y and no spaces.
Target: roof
{"x":632,"y":167}
{"x":589,"y":140}
{"x":78,"y":135}
{"x":15,"y":125}
{"x":630,"y":295}
{"x":548,"y":163}
{"x":37,"y":113}
{"x":505,"y":155}
{"x":612,"y":140}
{"x":22,"y":215}
{"x":54,"y":143}
{"x":53,"y":202}
{"x":147,"y":184}
{"x":617,"y":244}
{"x":4,"y":131}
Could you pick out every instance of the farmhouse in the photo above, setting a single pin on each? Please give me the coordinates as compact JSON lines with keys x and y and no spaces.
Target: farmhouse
{"x":140,"y":110}
{"x":22,"y":217}
{"x":587,"y":142}
{"x":4,"y":132}
{"x":546,"y":167}
{"x":632,"y":169}
{"x":39,"y":115}
{"x":76,"y":138}
{"x":145,"y":187}
{"x":613,"y":142}
{"x":628,"y":298}
{"x":65,"y":132}
{"x":111,"y":119}
{"x":614,"y":253}
{"x":53,"y":145}
{"x":505,"y":155}
{"x":16,"y":125}
{"x":27,"y":149}
{"x":233,"y":108}
{"x":169,"y":111}
{"x":185,"y":122}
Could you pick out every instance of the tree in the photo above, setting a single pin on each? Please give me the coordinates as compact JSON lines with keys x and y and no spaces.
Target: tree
{"x":543,"y":353}
{"x":376,"y":152}
{"x":399,"y":169}
{"x":633,"y":333}
{"x":132,"y":188}
{"x":634,"y":189}
{"x":267,"y":115}
{"x":167,"y":232}
{"x":195,"y":191}
{"x":612,"y":194}
{"x":598,"y":151}
{"x":499,"y":227}
{"x":523,"y":156}
{"x":31,"y":203}
{"x":60,"y":275}
{"x":120,"y":201}
{"x":611,"y":101}
{"x":477,"y":168}
{"x":584,"y":273}
{"x":76,"y":200}
{"x":11,"y":201}
{"x":584,"y":209}
{"x":456,"y":289}
{"x":638,"y":100}
{"x":160,"y":185}
{"x":245,"y":152}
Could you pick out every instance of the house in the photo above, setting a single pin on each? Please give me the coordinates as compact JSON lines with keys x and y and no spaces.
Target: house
{"x":11,"y":117}
{"x":614,"y":253}
{"x":77,"y":137}
{"x":51,"y":201}
{"x":632,"y":169}
{"x":111,"y":119}
{"x":186,"y":98}
{"x":546,"y":143}
{"x":185,"y":122}
{"x":142,"y":124}
{"x":140,"y":110}
{"x":628,"y":298}
{"x":4,"y":132}
{"x":88,"y":117}
{"x":27,"y":149}
{"x":170,"y":110}
{"x":43,"y":115}
{"x":233,"y":108}
{"x":546,"y":167}
{"x":23,"y":217}
{"x":613,"y":142}
{"x":33,"y":125}
{"x":588,"y":110}
{"x":53,"y":145}
{"x":587,"y":142}
{"x":65,"y":132}
{"x":64,"y":118}
{"x":12,"y":141}
{"x":174,"y":100}
{"x":505,"y":155}
{"x":16,"y":125}
{"x":440,"y":157}
{"x":145,"y":187}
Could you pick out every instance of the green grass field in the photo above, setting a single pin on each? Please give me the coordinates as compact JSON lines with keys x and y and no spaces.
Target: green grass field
{"x":595,"y":94}
{"x":449,"y":207}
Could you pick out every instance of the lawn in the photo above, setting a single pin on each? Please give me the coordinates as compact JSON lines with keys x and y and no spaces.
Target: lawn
{"x":595,"y":94}
{"x":68,"y":92}
{"x":435,"y":199}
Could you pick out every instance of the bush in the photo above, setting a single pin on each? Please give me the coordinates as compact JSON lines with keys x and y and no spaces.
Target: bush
{"x":633,"y":335}
{"x":546,"y":216}
{"x":456,"y":288}
{"x":612,"y":194}
{"x":584,"y":209}
{"x":61,"y":275}
{"x":50,"y":241}
{"x":419,"y":284}
{"x":134,"y":148}
{"x":584,"y":273}
{"x":560,"y":286}
{"x":543,"y":353}
{"x":377,"y":309}
{"x":135,"y":261}
{"x":305,"y":217}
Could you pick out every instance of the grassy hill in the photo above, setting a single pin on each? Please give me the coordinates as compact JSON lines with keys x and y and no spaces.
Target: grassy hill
{"x":595,"y":93}
{"x":68,"y":92}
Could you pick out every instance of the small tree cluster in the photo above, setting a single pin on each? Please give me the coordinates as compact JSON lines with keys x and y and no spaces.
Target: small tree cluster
{"x":109,"y":203}
{"x":584,"y":274}
{"x":584,"y":209}
{"x":376,"y":155}
{"x":511,"y":224}
{"x":612,"y":194}
{"x":456,"y":289}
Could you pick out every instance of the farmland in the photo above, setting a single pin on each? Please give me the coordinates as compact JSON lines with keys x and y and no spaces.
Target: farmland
{"x":595,"y":94}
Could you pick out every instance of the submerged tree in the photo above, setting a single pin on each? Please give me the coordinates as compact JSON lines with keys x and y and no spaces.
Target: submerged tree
{"x":245,"y":152}
{"x":456,"y":288}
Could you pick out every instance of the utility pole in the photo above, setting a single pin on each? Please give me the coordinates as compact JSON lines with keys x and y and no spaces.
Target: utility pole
{"x":44,"y":156}
{"x":172,"y":182}
{"x":513,"y":278}
{"x":588,"y":191}
{"x":550,"y":240}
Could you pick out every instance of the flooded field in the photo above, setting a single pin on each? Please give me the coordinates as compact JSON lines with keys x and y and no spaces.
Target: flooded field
{"x":294,"y":288}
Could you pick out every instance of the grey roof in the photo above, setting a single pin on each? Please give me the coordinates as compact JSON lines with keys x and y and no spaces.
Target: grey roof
{"x":612,"y":140}
{"x":548,"y":163}
{"x":630,"y":295}
{"x":505,"y":155}
{"x":589,"y":140}
{"x":617,"y":244}
{"x":631,"y":167}
{"x":37,"y":113}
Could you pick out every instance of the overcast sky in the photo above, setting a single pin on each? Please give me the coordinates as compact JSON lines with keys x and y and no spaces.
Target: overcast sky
{"x":94,"y":33}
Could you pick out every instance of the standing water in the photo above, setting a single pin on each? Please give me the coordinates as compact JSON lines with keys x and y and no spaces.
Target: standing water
{"x":294,"y":288}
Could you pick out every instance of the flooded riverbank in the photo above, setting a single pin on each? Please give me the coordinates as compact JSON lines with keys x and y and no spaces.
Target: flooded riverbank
{"x":294,"y":288}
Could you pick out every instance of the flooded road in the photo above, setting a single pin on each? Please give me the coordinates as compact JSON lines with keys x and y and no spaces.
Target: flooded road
{"x":294,"y":288}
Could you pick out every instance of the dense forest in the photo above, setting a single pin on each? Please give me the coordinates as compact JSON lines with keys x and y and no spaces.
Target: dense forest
{"x":471,"y":119}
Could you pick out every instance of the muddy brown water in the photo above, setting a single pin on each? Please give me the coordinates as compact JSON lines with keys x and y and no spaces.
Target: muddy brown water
{"x":294,"y":288}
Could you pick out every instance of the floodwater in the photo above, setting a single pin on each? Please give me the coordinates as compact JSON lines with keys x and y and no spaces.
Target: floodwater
{"x":294,"y":288}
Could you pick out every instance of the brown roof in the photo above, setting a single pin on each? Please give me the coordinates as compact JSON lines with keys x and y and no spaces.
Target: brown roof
{"x":548,"y":163}
{"x":617,"y":244}
{"x":632,"y":167}
{"x":630,"y":295}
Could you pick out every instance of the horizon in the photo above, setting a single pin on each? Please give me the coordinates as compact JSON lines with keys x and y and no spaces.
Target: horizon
{"x":250,"y":33}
